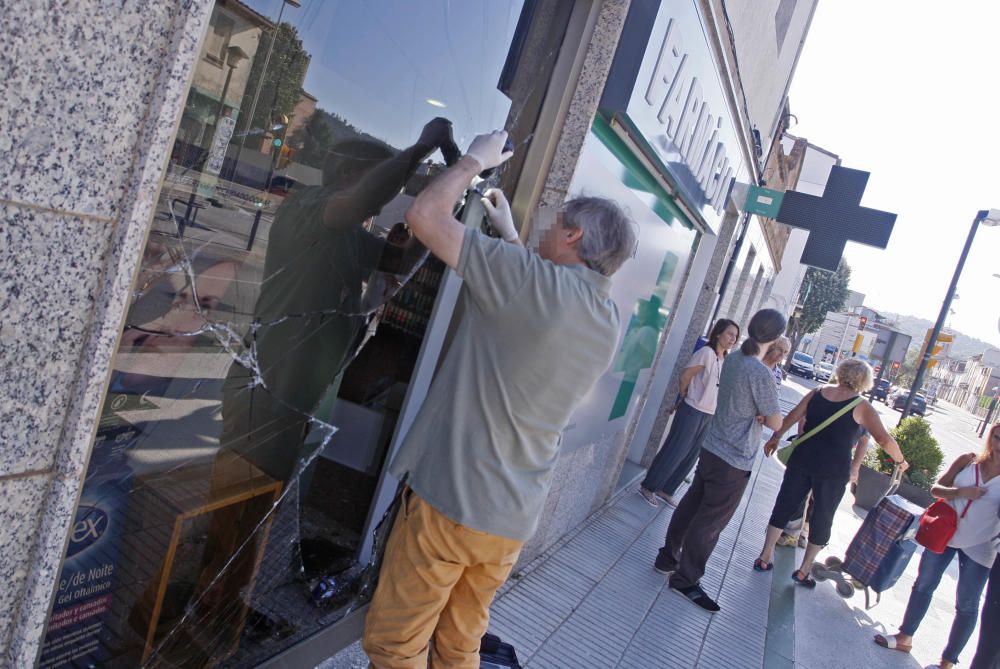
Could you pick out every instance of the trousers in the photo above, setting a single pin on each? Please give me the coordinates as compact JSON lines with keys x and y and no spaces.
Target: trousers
{"x":437,"y":582}
{"x":700,"y":517}
{"x":679,"y":451}
{"x":988,"y":650}
{"x":971,"y":581}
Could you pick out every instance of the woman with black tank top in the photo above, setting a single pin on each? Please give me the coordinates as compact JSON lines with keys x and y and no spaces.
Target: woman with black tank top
{"x":822,"y":463}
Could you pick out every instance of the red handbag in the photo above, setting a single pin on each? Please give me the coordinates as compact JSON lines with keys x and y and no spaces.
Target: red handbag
{"x":939,"y":523}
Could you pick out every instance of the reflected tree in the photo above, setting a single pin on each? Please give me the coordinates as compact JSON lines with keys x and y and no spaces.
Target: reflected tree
{"x":278,"y":89}
{"x":313,"y":140}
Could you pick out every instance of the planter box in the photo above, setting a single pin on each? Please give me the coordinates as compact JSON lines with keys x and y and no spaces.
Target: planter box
{"x":918,"y":496}
{"x":872,"y":485}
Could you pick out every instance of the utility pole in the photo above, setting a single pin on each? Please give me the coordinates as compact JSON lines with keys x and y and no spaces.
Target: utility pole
{"x":989,"y":217}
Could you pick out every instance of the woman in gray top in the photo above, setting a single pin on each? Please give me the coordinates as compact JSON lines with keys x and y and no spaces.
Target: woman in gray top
{"x":748,"y":398}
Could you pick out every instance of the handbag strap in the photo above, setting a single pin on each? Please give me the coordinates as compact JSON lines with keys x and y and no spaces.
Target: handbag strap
{"x":826,"y":423}
{"x":972,"y":500}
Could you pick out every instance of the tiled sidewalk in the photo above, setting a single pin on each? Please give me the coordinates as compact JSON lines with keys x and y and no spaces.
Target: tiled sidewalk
{"x":594,"y":600}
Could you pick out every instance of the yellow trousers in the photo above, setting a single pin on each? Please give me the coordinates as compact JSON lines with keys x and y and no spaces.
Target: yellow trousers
{"x":438,"y":579}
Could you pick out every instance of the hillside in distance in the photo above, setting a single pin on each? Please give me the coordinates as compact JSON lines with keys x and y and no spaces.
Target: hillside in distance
{"x":962,"y":348}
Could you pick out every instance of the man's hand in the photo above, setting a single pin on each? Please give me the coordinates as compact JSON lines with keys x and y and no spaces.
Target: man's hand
{"x":488,"y":149}
{"x":498,"y":211}
{"x":771,"y":446}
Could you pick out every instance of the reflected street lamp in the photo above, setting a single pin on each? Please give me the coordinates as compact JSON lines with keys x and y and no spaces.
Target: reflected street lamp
{"x":234,"y":55}
{"x":987,"y":217}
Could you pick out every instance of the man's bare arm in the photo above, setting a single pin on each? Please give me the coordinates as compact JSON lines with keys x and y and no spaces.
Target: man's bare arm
{"x":430,"y":215}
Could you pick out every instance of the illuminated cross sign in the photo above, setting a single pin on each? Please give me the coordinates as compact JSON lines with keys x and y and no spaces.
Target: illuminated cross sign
{"x":836,"y":218}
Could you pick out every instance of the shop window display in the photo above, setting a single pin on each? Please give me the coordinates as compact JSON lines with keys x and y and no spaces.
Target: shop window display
{"x":275,"y":324}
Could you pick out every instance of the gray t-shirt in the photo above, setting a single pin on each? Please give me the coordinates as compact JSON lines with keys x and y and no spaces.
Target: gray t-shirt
{"x":533,"y":340}
{"x":746,"y":390}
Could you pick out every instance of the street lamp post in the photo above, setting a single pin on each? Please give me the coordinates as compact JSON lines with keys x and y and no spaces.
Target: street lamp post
{"x":234,"y":55}
{"x":988,"y":217}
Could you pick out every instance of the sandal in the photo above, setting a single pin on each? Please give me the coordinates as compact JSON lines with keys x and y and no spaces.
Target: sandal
{"x":802,"y":579}
{"x":669,"y":499}
{"x":760,"y":565}
{"x":649,"y":497}
{"x":891,"y":643}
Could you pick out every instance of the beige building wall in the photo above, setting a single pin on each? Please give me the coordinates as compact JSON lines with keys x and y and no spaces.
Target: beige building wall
{"x":232,"y":24}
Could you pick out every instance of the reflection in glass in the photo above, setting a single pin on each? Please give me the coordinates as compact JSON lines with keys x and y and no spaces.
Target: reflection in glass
{"x":275,"y":323}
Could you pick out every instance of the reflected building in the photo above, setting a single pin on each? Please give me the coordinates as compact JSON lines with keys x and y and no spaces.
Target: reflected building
{"x":220,"y":77}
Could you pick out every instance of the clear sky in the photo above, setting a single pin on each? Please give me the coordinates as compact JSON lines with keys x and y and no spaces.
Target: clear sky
{"x":909,"y":92}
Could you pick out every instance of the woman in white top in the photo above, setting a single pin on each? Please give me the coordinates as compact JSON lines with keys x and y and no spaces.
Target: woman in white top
{"x":972,"y":486}
{"x":700,"y":391}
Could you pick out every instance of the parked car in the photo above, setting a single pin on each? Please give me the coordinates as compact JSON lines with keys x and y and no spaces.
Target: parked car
{"x":282,"y":185}
{"x":918,"y":406}
{"x":801,"y":365}
{"x":823,"y":371}
{"x":881,"y":390}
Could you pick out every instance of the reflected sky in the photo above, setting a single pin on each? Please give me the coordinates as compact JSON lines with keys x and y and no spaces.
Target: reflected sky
{"x":371,"y":68}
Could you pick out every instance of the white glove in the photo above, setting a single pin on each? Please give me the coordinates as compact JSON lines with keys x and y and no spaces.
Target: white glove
{"x":498,"y":211}
{"x":487,"y":150}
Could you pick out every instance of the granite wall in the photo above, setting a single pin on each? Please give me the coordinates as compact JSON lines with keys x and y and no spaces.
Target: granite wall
{"x":92,"y":98}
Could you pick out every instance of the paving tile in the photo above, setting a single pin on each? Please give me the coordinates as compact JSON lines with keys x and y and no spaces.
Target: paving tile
{"x":597,"y":602}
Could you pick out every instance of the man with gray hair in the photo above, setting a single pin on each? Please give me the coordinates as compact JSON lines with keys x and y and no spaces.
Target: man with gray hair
{"x":478,"y":460}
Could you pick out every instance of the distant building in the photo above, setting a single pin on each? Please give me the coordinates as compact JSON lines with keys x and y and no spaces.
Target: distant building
{"x":842,"y":335}
{"x":970,"y":383}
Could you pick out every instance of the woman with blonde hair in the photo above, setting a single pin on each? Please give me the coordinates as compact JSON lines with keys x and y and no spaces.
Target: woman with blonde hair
{"x":972,"y":487}
{"x":821,"y":462}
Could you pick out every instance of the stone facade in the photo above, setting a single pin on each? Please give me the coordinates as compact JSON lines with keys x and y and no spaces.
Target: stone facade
{"x":585,"y":476}
{"x":88,"y":119}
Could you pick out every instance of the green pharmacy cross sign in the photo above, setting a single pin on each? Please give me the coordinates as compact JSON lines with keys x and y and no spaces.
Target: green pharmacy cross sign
{"x":832,"y":219}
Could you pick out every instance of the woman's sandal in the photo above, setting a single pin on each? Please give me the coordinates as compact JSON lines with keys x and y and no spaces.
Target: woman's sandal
{"x":760,"y":565}
{"x":803,"y":579}
{"x":891,"y":643}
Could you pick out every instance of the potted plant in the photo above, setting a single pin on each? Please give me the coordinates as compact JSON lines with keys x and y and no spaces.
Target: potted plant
{"x":920,"y":449}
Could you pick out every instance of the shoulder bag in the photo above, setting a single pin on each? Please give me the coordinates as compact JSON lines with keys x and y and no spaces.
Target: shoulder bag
{"x":785,"y":453}
{"x":939,"y":523}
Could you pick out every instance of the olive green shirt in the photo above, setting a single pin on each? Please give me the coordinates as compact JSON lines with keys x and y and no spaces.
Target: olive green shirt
{"x":533,"y":340}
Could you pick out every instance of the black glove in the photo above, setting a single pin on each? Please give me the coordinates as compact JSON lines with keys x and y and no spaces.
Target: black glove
{"x":436,"y":134}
